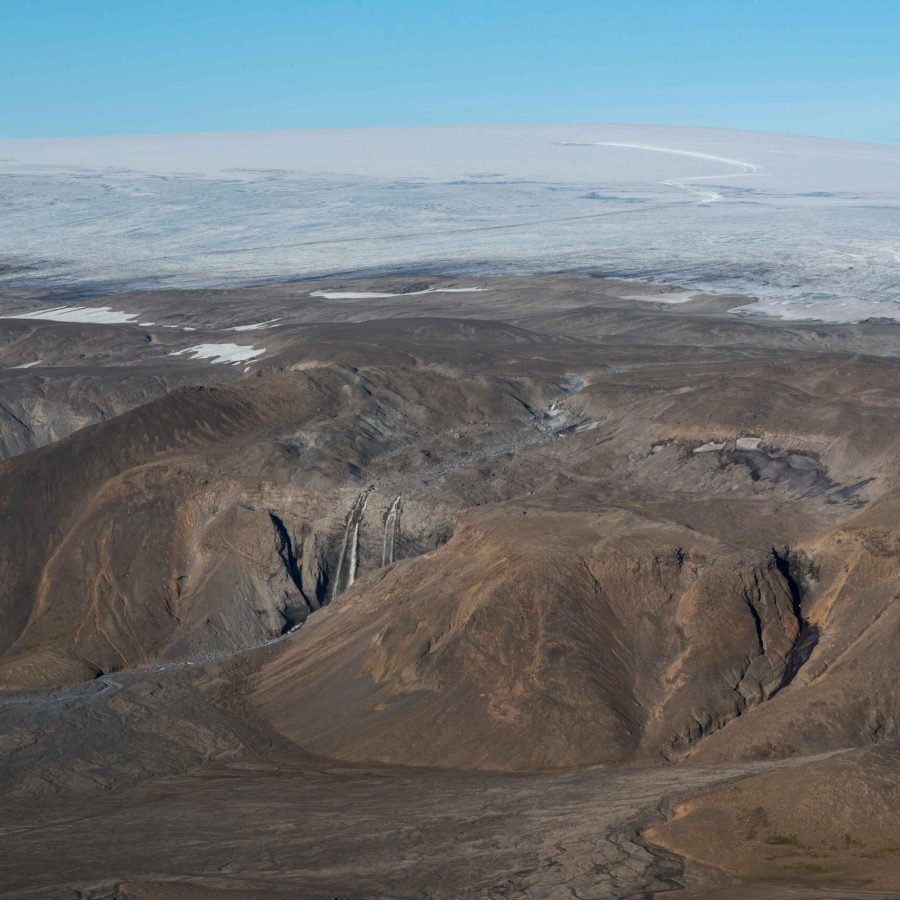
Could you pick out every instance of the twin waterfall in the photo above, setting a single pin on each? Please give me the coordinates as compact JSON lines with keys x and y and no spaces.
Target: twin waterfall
{"x":348,"y":558}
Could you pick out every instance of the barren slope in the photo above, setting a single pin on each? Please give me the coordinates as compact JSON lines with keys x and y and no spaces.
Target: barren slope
{"x":527,"y":530}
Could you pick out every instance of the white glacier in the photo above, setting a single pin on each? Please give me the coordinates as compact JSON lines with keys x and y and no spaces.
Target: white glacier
{"x":810,"y":227}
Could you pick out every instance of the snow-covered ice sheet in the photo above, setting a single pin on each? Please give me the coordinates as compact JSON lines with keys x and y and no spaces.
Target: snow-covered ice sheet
{"x":810,"y":227}
{"x":222,"y":353}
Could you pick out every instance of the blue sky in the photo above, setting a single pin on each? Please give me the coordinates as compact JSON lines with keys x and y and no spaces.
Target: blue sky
{"x":82,"y":67}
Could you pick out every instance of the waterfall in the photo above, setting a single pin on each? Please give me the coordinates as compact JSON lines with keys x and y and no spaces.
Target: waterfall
{"x":351,"y":541}
{"x":390,"y":528}
{"x":354,"y":545}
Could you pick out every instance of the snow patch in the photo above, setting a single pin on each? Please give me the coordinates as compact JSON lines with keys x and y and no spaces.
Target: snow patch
{"x":663,"y":297}
{"x":710,"y":447}
{"x":363,"y":295}
{"x":255,"y":326}
{"x":222,"y":353}
{"x":85,"y":315}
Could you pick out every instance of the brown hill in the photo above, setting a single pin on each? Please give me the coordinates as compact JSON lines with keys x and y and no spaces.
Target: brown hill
{"x":527,"y":532}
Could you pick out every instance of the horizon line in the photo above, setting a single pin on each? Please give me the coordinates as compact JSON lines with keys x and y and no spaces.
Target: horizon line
{"x":444,"y":125}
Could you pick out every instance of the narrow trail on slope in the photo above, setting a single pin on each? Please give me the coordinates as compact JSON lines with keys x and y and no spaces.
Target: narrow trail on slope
{"x":684,"y":184}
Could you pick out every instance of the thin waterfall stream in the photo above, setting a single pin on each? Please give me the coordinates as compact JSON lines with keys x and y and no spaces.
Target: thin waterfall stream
{"x":390,"y":530}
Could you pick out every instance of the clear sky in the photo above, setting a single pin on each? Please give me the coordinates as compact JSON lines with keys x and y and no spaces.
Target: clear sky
{"x":83,"y":67}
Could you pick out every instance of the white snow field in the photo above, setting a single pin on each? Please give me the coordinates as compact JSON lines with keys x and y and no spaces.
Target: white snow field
{"x":85,"y":315}
{"x":222,"y":353}
{"x":811,"y":227}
